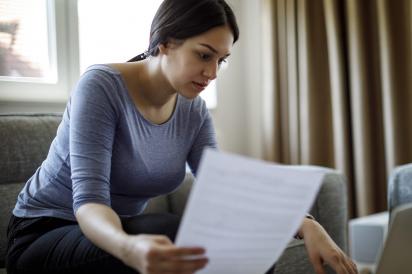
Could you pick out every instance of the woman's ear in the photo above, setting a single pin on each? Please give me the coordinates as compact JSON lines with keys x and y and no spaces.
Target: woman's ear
{"x":163,"y":48}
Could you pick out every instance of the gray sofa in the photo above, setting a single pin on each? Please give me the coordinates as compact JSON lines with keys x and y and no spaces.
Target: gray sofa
{"x":25,"y":140}
{"x":400,"y":187}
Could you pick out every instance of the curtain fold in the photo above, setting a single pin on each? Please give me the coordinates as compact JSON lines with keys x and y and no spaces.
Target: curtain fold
{"x":341,"y":129}
{"x":337,"y":90}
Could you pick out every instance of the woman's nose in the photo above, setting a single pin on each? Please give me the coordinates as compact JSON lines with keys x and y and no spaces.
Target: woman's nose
{"x":211,"y":71}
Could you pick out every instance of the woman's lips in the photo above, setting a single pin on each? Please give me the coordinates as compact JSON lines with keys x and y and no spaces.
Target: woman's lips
{"x":199,"y":86}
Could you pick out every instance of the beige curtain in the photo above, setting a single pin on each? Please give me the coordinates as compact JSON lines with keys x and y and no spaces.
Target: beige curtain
{"x":338,"y":90}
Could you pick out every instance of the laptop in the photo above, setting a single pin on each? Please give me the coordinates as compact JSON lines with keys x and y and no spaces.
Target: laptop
{"x":396,"y":255}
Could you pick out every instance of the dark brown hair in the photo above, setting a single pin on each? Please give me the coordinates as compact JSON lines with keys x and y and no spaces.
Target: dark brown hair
{"x":182,"y":19}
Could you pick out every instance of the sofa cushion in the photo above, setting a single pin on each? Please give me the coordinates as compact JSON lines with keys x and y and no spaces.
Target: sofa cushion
{"x":330,"y":207}
{"x":25,"y":141}
{"x":178,"y":198}
{"x":158,"y":204}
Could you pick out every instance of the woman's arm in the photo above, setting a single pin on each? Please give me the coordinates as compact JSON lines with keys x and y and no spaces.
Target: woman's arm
{"x":101,"y":225}
{"x":205,"y":137}
{"x":323,"y":250}
{"x":145,"y":253}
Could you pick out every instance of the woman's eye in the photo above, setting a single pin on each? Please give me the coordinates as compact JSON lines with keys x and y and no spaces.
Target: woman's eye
{"x":221,"y":61}
{"x":204,"y":56}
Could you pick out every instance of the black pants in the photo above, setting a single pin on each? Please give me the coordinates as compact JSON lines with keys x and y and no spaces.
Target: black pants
{"x":50,"y":245}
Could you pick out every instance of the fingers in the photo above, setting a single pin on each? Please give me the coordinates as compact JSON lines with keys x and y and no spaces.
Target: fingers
{"x":182,"y":265}
{"x":317,"y":264}
{"x":173,"y":251}
{"x":166,"y":248}
{"x":155,"y":254}
{"x":172,"y":259}
{"x":343,"y":264}
{"x":350,"y":266}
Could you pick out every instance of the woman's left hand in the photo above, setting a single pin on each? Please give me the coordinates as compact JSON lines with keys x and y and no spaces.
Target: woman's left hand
{"x":323,"y":250}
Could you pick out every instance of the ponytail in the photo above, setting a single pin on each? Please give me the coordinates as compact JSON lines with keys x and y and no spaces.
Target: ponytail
{"x":139,"y":57}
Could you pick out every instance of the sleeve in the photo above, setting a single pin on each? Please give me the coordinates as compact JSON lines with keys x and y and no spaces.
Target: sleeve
{"x":92,"y":130}
{"x":206,"y":137}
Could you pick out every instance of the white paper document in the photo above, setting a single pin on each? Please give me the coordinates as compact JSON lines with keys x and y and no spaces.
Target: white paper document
{"x":244,"y":212}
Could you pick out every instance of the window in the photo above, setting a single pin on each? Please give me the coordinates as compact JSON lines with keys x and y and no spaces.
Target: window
{"x":113,"y":34}
{"x":34,"y":51}
{"x":25,"y":52}
{"x":88,"y":32}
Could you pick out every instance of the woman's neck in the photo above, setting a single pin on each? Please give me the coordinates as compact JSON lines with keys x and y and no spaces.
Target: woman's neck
{"x":152,"y":86}
{"x":152,"y":94}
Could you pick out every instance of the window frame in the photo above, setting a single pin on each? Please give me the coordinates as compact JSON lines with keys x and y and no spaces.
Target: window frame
{"x":64,"y":56}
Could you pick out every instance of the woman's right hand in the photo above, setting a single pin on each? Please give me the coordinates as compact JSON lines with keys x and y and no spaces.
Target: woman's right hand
{"x":148,"y":254}
{"x":155,"y":254}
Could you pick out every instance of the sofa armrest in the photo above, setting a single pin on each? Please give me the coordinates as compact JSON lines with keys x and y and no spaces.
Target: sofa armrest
{"x":330,"y":207}
{"x":330,"y":210}
{"x":400,"y":187}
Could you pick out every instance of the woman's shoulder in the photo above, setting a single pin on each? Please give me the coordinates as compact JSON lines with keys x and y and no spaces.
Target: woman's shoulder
{"x":99,"y":82}
{"x":110,"y":75}
{"x":101,"y":69}
{"x":99,"y":74}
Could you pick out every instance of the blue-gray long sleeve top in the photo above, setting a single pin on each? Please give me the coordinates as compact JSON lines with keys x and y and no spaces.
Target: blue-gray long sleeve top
{"x":106,"y":152}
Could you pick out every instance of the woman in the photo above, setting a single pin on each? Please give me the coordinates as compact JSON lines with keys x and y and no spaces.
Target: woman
{"x":125,"y":137}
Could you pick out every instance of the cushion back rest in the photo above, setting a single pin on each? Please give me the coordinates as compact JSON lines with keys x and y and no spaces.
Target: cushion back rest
{"x":24,"y":141}
{"x":400,"y":187}
{"x":174,"y":202}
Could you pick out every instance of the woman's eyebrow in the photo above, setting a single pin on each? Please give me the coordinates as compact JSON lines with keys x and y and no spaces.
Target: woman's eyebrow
{"x":213,"y":49}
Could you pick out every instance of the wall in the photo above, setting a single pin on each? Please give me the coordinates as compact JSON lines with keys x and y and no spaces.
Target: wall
{"x":237,"y":117}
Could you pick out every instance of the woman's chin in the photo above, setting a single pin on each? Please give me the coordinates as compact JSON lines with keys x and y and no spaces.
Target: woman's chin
{"x":189,"y":95}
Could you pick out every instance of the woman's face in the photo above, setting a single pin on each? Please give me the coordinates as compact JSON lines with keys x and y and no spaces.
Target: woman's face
{"x":190,"y":66}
